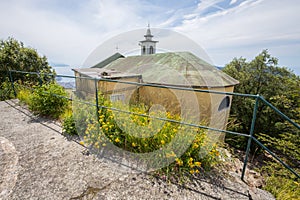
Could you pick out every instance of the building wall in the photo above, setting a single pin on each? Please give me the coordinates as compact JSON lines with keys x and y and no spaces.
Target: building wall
{"x":172,"y":99}
{"x":113,"y":90}
{"x":84,"y":87}
{"x":192,"y":106}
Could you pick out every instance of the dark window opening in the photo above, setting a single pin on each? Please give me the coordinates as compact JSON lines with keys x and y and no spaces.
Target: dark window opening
{"x":225,"y":103}
{"x":144,"y":50}
{"x":151,"y":50}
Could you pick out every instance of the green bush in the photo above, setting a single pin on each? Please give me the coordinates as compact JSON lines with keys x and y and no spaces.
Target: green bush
{"x":15,"y":56}
{"x":24,"y":95}
{"x":6,"y":91}
{"x":47,"y":100}
{"x":83,"y":114}
{"x":280,"y":182}
{"x":69,"y":125}
{"x":283,"y":188}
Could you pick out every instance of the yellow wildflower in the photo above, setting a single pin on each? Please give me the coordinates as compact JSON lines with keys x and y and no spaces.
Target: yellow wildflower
{"x":133,"y":144}
{"x":198,"y":164}
{"x":117,"y":140}
{"x":195,"y":146}
{"x":81,"y":142}
{"x":162,"y":142}
{"x":179,"y":162}
{"x":172,"y":154}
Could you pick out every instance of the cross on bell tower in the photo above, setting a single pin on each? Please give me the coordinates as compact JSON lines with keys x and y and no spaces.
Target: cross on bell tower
{"x":148,"y":46}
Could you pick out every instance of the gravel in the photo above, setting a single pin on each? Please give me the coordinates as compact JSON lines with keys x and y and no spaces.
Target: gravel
{"x":38,"y":162}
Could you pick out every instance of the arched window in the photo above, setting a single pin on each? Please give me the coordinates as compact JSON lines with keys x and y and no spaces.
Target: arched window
{"x":225,"y":103}
{"x":143,"y":50}
{"x":151,"y":50}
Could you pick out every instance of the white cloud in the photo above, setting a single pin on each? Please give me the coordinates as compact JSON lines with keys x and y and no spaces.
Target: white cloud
{"x":232,"y":2}
{"x":69,"y":36}
{"x":64,"y":38}
{"x":68,"y":31}
{"x":51,"y":33}
{"x":205,"y":4}
{"x":251,"y":26}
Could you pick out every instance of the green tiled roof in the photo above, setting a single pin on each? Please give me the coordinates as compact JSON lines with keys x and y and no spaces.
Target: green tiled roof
{"x":174,"y":68}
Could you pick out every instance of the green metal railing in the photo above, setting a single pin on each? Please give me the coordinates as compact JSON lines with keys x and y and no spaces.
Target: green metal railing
{"x":250,"y":136}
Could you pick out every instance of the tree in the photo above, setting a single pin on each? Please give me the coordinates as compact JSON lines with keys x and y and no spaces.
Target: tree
{"x":281,"y":87}
{"x":277,"y":85}
{"x":14,"y":56}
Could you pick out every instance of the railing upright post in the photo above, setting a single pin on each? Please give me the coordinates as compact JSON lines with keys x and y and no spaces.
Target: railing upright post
{"x":12,"y":83}
{"x":40,"y":79}
{"x":97,"y":104}
{"x":251,"y":135}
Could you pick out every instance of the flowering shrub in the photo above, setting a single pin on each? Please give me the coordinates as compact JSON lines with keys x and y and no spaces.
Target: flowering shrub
{"x":69,"y":125}
{"x":47,"y":100}
{"x":139,"y":131}
{"x":24,"y":94}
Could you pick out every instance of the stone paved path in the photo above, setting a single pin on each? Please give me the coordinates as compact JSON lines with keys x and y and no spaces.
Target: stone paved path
{"x":37,"y":162}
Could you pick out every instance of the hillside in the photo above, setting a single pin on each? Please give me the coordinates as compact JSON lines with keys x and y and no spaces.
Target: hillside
{"x":38,"y":162}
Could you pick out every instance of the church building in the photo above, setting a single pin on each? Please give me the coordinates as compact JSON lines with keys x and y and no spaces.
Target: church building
{"x":171,"y":69}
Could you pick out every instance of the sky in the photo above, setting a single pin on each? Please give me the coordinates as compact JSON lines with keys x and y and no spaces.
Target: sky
{"x":69,"y":31}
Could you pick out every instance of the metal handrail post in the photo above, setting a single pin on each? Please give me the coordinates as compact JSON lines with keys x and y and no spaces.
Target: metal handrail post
{"x":251,"y":135}
{"x":40,"y":79}
{"x":12,"y":83}
{"x":97,"y":105}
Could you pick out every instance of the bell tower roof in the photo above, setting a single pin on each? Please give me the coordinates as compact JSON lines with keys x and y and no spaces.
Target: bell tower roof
{"x":148,"y":36}
{"x":148,"y":33}
{"x":148,"y":46}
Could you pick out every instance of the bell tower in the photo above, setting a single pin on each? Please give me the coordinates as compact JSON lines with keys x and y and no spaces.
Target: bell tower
{"x":148,"y":46}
